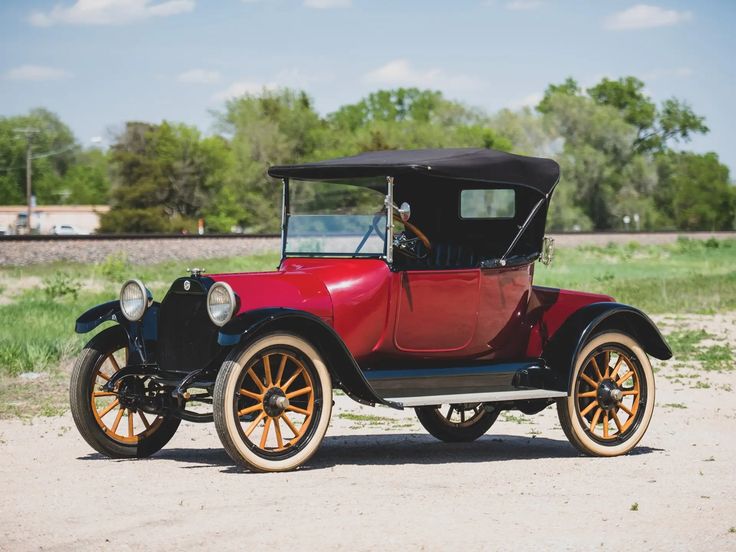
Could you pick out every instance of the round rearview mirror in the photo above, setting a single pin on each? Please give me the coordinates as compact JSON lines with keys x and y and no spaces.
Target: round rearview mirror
{"x":405,"y":211}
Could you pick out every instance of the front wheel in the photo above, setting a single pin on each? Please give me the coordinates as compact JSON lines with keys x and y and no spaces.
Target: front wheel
{"x":272,"y":403}
{"x":459,"y":423}
{"x":109,"y":420}
{"x":612,"y":399}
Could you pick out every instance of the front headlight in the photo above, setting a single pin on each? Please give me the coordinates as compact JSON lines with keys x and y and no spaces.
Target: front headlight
{"x":220,"y":303}
{"x":134,"y":298}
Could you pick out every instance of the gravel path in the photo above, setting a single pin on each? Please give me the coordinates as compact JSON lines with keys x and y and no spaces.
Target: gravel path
{"x":146,"y":251}
{"x":386,"y":484}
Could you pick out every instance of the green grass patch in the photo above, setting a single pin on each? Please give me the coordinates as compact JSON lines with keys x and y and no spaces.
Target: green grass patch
{"x":690,"y":276}
{"x":685,"y":343}
{"x":674,"y":405}
{"x":716,"y":358}
{"x":367,"y":418}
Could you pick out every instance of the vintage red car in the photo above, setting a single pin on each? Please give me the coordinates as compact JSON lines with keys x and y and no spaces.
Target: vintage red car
{"x":405,"y":280}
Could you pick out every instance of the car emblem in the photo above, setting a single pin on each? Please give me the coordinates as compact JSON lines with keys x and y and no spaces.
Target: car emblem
{"x":187,"y":285}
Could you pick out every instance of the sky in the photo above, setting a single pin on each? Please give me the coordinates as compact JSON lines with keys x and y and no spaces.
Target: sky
{"x":99,"y":63}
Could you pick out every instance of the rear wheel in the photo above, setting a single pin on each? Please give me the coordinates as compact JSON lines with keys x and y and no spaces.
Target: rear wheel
{"x":107,"y":420}
{"x":272,"y":403}
{"x":611,"y":403}
{"x":456,"y":423}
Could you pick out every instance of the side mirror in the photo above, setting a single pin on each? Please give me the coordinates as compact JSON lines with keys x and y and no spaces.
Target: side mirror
{"x":404,"y":211}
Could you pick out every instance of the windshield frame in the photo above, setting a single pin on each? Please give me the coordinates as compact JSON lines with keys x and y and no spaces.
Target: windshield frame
{"x":387,"y":253}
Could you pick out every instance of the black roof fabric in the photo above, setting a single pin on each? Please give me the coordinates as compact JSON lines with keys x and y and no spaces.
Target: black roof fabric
{"x":484,"y":165}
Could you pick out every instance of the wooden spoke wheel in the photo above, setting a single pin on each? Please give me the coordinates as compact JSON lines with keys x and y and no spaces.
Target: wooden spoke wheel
{"x":612,"y":398}
{"x":457,"y":422}
{"x":272,"y":403}
{"x":109,"y":420}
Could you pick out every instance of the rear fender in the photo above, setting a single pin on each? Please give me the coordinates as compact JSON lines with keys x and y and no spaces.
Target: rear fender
{"x":340,"y":361}
{"x":138,"y":333}
{"x":562,"y":349}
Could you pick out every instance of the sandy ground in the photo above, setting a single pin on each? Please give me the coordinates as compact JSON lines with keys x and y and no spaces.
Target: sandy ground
{"x":386,"y":484}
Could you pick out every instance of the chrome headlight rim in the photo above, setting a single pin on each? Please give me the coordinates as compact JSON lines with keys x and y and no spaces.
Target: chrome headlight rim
{"x":232,"y":298}
{"x":146,"y":294}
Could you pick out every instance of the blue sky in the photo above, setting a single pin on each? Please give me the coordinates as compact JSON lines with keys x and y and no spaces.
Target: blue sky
{"x":98,"y":63}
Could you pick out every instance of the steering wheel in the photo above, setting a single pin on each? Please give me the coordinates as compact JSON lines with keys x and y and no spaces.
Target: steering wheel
{"x":408,"y":246}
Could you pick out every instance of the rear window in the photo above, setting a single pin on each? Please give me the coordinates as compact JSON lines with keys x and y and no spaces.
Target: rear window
{"x":487,"y":204}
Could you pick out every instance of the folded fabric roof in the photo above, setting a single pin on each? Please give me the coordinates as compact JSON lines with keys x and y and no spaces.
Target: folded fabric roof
{"x":477,"y":164}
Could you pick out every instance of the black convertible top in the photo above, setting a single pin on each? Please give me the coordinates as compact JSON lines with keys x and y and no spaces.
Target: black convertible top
{"x":477,"y":164}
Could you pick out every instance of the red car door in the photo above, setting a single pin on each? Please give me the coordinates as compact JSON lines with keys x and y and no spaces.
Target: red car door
{"x":437,"y":310}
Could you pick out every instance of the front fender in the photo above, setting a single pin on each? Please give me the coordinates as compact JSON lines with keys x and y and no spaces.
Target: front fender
{"x":563,"y":348}
{"x":138,"y":332}
{"x":340,"y":361}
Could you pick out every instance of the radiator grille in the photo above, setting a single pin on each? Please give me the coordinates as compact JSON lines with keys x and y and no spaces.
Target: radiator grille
{"x":187,"y":336}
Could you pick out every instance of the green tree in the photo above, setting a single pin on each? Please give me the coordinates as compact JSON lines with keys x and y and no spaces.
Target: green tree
{"x":695,"y":191}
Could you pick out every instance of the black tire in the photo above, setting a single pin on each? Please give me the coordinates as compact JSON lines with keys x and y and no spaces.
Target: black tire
{"x":92,"y":362}
{"x":469,"y":428}
{"x":595,"y":421}
{"x":272,"y":402}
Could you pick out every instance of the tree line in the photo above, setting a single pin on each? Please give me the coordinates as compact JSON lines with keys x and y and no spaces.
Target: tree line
{"x":622,"y":157}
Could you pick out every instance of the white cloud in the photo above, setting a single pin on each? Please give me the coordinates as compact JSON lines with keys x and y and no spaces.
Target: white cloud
{"x":109,"y":12}
{"x":199,"y":76}
{"x":523,"y":5}
{"x":644,"y":16}
{"x":327,"y":4}
{"x":36,"y":73}
{"x":530,"y":100}
{"x":399,"y":72}
{"x":239,"y":88}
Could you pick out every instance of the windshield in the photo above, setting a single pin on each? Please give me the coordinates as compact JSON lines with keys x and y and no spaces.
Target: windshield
{"x":336,"y":219}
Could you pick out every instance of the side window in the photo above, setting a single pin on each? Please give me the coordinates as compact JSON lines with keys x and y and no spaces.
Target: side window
{"x":487,"y":204}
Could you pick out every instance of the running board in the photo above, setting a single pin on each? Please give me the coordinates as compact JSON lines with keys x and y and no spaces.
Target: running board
{"x":442,"y":384}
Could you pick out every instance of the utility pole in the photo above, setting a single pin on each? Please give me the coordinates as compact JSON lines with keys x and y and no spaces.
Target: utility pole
{"x":28,"y":132}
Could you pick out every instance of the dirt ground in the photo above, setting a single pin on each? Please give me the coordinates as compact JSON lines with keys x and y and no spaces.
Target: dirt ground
{"x":379,"y":481}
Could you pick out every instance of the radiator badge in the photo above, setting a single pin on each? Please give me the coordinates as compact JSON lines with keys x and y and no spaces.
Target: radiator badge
{"x":187,"y":285}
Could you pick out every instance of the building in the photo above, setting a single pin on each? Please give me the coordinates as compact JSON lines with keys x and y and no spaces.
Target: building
{"x":84,"y":219}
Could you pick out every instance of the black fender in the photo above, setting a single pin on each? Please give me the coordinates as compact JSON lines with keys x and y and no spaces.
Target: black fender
{"x":342,"y":365}
{"x":563,"y":348}
{"x":138,"y":332}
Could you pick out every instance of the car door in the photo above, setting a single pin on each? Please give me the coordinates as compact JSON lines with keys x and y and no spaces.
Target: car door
{"x":437,"y":310}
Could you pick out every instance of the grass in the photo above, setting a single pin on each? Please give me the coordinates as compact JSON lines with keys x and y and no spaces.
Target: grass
{"x":674,"y":405}
{"x":689,"y":276}
{"x":634,"y":507}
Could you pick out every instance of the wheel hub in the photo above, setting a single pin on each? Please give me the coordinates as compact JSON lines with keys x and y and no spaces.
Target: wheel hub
{"x":275,"y":402}
{"x":609,"y":394}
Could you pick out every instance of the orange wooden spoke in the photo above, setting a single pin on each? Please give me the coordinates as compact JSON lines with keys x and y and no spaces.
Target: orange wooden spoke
{"x":594,"y":421}
{"x":623,"y":378}
{"x":104,"y":394}
{"x":256,"y":379}
{"x":114,"y":363}
{"x":130,"y":423}
{"x":264,"y":437}
{"x":119,"y":417}
{"x":299,"y":392}
{"x":607,"y":361}
{"x":267,"y":369}
{"x":291,"y":425}
{"x":250,"y":409}
{"x":251,"y":395}
{"x":597,"y":368}
{"x":103,"y":376}
{"x":616,"y":366}
{"x":109,"y":407}
{"x":605,"y":425}
{"x":292,"y":379}
{"x":254,"y":424}
{"x":587,"y":394}
{"x":589,"y":380}
{"x":625,"y":408}
{"x":144,"y":419}
{"x":279,"y":439}
{"x":282,"y":366}
{"x":588,"y":408}
{"x":630,"y":392}
{"x":617,"y":421}
{"x":298,"y":410}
